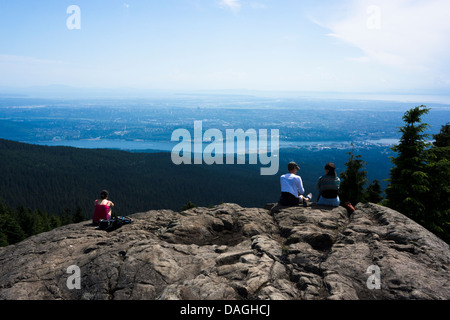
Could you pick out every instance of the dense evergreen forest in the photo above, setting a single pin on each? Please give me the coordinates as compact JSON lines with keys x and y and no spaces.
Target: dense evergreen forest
{"x":56,"y":179}
{"x":17,"y":224}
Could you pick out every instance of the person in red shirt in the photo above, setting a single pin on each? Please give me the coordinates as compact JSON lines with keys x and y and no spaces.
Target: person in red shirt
{"x":102,"y":209}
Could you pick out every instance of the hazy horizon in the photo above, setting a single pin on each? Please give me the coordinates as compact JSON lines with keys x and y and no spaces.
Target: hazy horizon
{"x":54,"y":91}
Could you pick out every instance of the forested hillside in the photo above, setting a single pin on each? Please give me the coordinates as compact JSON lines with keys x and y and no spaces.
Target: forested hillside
{"x":57,"y":178}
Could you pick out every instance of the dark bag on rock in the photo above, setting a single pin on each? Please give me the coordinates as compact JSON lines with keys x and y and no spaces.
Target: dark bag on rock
{"x":113,"y":224}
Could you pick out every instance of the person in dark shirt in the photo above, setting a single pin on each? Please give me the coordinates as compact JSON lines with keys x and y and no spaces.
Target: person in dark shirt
{"x":328,"y":186}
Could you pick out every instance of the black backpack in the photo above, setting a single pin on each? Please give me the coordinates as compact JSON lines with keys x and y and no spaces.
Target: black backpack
{"x":113,"y":224}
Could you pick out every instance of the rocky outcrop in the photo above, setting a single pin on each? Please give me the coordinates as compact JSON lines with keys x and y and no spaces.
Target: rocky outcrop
{"x":230,"y":252}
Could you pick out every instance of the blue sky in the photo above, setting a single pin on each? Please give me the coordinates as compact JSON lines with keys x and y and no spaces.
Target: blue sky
{"x":289,"y":45}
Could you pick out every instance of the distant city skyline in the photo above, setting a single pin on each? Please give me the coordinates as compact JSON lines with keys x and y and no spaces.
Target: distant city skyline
{"x":362,"y":46}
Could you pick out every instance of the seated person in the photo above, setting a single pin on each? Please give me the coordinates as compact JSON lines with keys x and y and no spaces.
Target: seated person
{"x":292,"y":187}
{"x":102,"y":208}
{"x":328,"y":186}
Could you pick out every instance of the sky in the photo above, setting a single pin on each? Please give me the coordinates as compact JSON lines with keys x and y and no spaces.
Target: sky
{"x":400,"y":46}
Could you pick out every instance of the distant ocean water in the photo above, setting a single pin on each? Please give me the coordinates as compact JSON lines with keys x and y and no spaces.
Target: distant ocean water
{"x":168,"y":145}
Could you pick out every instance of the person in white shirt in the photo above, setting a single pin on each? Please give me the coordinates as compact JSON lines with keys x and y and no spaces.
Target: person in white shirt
{"x":292,"y":187}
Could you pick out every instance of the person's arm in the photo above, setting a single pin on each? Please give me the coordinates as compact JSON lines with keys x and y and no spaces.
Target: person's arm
{"x":318,"y":185}
{"x":300,"y":188}
{"x":110,"y":205}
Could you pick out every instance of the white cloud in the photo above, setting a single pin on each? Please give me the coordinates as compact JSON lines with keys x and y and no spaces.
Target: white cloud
{"x":234,"y":5}
{"x":405,"y":34}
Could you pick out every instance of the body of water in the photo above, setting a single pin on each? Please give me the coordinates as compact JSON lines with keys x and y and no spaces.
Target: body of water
{"x":169,"y":145}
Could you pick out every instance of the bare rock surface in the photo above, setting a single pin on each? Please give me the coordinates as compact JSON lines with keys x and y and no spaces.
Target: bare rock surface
{"x":229,"y":252}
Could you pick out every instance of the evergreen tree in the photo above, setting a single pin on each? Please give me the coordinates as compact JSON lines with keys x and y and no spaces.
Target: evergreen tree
{"x":442,"y":139}
{"x":39,"y":224}
{"x":353,"y":180}
{"x":3,"y":239}
{"x":21,"y":223}
{"x":10,"y":230}
{"x":55,"y":222}
{"x":437,"y":219}
{"x":408,"y":183}
{"x":188,"y":205}
{"x":78,"y":216}
{"x":25,"y":219}
{"x":66,"y":217}
{"x":3,"y":208}
{"x":373,"y":192}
